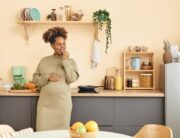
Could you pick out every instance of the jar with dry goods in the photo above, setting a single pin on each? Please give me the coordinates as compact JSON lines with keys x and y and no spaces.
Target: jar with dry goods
{"x":146,"y":80}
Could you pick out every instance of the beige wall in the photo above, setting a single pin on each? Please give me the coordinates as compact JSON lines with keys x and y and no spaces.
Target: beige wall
{"x":134,"y":22}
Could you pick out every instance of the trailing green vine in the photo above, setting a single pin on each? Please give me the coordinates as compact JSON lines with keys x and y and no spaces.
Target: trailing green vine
{"x":100,"y":18}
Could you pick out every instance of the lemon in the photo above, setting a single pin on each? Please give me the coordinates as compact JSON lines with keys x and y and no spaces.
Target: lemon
{"x":91,"y":126}
{"x":75,"y":125}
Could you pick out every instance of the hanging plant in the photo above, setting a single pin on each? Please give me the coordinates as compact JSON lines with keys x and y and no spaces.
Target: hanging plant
{"x":100,"y":18}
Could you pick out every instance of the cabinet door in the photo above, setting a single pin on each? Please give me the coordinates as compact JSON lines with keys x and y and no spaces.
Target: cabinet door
{"x":93,"y":108}
{"x":138,"y":111}
{"x":15,"y":111}
{"x":34,"y":101}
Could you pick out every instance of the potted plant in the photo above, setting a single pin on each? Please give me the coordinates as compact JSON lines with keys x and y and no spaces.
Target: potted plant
{"x":100,"y":18}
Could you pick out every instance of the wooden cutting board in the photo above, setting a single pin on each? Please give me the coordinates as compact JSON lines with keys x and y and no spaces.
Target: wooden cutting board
{"x":22,"y":91}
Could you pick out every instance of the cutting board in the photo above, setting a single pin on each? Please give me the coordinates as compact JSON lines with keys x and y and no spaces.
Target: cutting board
{"x":21,"y":91}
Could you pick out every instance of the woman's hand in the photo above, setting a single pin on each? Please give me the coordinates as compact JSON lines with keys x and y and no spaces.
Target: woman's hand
{"x":54,"y":77}
{"x":65,"y":54}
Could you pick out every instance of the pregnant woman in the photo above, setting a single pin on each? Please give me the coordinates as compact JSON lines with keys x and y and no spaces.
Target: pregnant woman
{"x":53,"y":75}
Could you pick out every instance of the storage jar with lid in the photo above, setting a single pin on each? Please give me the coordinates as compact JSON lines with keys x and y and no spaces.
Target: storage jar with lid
{"x":146,"y":80}
{"x":135,"y":83}
{"x":135,"y":63}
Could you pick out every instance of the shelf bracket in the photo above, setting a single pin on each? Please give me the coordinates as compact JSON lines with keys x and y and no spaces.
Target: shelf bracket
{"x":27,"y":31}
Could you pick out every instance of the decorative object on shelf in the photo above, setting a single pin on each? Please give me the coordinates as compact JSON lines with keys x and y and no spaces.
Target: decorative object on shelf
{"x":137,"y":48}
{"x":53,"y":15}
{"x":167,"y":56}
{"x":29,"y":14}
{"x":101,"y":17}
{"x":146,"y":65}
{"x":61,"y":13}
{"x":144,"y":48}
{"x":67,"y":12}
{"x":76,"y":16}
{"x":131,"y":49}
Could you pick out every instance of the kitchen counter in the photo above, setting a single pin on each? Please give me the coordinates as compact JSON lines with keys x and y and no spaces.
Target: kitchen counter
{"x":101,"y":93}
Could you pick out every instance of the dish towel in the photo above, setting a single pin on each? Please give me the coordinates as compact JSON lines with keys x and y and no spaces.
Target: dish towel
{"x":95,"y":56}
{"x":21,"y":132}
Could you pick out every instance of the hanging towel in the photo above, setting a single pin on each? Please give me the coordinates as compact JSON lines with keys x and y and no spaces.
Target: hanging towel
{"x":95,"y":56}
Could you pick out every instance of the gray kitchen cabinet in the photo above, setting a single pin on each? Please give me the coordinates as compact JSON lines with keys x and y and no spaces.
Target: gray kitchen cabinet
{"x":88,"y":108}
{"x":130,"y":114}
{"x":117,"y":114}
{"x":138,"y":111}
{"x":15,"y":111}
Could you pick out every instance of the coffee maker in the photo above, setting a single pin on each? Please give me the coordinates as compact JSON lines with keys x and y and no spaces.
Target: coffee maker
{"x":18,"y":73}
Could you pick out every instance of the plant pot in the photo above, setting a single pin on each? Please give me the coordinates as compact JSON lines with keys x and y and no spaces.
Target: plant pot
{"x":102,"y":17}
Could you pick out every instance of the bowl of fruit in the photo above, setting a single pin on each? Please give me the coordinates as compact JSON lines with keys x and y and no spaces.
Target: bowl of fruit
{"x":88,"y":130}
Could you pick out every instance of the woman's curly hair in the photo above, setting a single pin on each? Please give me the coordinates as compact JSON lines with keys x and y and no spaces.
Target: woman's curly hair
{"x":51,"y":34}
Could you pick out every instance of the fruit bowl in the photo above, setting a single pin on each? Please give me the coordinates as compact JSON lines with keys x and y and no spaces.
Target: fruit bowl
{"x":83,"y":135}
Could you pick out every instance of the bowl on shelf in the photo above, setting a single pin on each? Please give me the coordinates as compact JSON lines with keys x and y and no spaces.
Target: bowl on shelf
{"x":7,"y":86}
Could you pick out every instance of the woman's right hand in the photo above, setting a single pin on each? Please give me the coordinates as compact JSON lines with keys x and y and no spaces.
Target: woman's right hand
{"x":54,"y":77}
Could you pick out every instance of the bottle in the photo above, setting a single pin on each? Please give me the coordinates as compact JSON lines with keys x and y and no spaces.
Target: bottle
{"x":105,"y":83}
{"x":118,"y":80}
{"x":53,"y":15}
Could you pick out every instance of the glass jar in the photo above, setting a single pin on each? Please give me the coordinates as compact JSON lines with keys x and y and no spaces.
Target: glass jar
{"x":61,"y":14}
{"x":135,"y":63}
{"x":129,"y":82}
{"x":146,"y":80}
{"x":135,"y":83}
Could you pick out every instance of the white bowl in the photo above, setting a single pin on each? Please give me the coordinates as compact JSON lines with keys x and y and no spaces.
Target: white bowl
{"x":7,"y":86}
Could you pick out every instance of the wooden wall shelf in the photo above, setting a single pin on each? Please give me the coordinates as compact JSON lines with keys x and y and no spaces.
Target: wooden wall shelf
{"x":27,"y":24}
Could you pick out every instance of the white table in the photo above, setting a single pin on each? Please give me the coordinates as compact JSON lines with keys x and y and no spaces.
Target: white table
{"x":65,"y":134}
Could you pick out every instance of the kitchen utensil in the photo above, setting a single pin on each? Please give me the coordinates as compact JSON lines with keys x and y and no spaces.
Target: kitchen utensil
{"x":87,"y":88}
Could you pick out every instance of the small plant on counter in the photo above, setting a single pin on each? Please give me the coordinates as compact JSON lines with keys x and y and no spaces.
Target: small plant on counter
{"x":101,"y":17}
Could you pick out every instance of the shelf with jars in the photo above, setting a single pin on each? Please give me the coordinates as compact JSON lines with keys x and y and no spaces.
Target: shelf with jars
{"x":66,"y":16}
{"x":139,"y":70}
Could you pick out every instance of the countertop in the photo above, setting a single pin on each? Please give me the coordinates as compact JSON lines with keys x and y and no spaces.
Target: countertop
{"x":101,"y":93}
